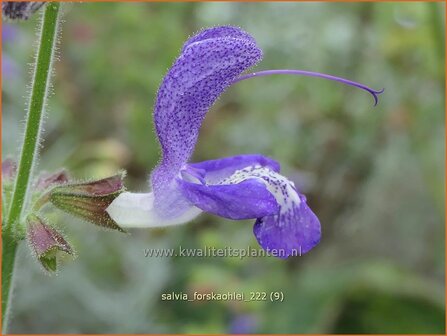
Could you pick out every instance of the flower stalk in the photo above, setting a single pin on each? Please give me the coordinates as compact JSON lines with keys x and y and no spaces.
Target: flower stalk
{"x":28,"y":155}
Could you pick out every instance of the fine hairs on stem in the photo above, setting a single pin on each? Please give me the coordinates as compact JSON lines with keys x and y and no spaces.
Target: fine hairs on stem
{"x":28,"y":155}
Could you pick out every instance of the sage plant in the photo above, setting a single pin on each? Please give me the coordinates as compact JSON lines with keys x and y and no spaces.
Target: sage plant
{"x":246,"y":186}
{"x":237,"y":187}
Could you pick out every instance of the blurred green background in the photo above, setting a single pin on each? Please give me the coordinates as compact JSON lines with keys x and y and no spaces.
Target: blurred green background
{"x":374,"y":176}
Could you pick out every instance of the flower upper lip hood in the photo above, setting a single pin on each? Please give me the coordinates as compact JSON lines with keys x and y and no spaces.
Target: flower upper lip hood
{"x":209,"y":62}
{"x":238,"y":187}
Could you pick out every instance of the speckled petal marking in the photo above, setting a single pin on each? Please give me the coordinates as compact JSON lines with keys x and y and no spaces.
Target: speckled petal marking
{"x":208,"y":64}
{"x":208,"y":185}
{"x":294,"y":229}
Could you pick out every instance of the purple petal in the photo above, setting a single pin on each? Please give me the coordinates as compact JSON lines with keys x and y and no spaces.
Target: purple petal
{"x":216,"y":170}
{"x":216,"y":186}
{"x":197,"y":78}
{"x":244,"y":200}
{"x":292,"y":232}
{"x":20,"y":10}
{"x":244,"y":186}
{"x":218,"y":32}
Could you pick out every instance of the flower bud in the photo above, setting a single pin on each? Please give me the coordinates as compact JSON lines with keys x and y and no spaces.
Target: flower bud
{"x":89,"y":200}
{"x":46,"y":180}
{"x":20,"y":10}
{"x":45,"y":242}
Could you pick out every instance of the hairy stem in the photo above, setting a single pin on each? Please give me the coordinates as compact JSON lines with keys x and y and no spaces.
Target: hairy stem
{"x":28,"y":155}
{"x":9,"y":250}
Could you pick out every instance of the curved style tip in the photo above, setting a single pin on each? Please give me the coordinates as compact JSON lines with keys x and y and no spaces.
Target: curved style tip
{"x":375,"y":94}
{"x":263,"y":73}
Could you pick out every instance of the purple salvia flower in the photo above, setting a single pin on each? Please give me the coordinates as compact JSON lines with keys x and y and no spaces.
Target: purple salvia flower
{"x":20,"y":10}
{"x":238,"y":187}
